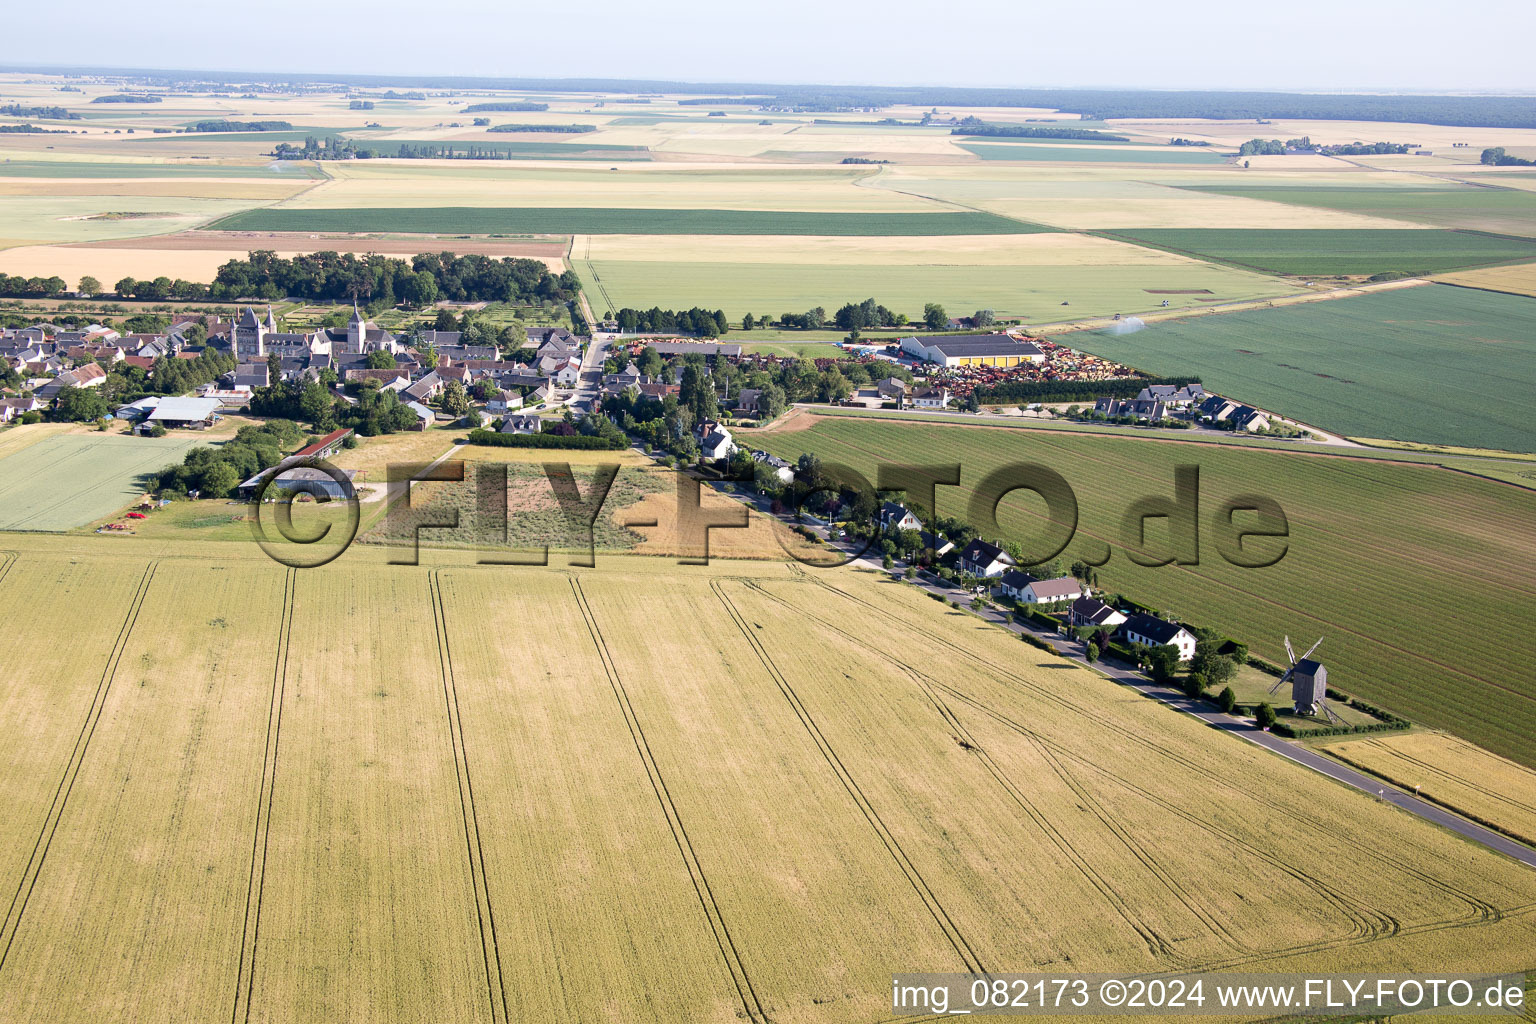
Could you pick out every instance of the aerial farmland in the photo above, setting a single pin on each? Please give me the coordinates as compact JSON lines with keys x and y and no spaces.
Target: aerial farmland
{"x":488,"y":549}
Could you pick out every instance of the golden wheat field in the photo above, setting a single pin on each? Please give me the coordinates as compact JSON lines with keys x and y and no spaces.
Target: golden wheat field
{"x":1451,"y":772}
{"x":642,"y":791}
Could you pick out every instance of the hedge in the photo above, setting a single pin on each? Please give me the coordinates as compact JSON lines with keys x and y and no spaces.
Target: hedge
{"x":492,"y":439}
{"x":1074,"y":390}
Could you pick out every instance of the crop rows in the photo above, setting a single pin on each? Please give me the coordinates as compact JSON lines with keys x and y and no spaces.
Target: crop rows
{"x":1378,"y":555}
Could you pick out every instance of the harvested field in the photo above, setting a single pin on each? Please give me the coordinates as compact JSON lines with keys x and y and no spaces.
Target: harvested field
{"x":1451,"y":772}
{"x":242,"y":242}
{"x":1375,"y":549}
{"x":484,"y":221}
{"x":553,"y":821}
{"x":1516,"y":280}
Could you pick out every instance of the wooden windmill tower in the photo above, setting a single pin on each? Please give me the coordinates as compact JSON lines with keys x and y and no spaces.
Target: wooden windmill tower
{"x":1309,"y":683}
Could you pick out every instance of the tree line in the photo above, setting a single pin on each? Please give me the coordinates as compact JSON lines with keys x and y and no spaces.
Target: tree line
{"x":221,"y":125}
{"x":696,"y":321}
{"x":509,"y":106}
{"x":565,"y":129}
{"x":1497,"y":157}
{"x":421,"y":281}
{"x":976,"y":126}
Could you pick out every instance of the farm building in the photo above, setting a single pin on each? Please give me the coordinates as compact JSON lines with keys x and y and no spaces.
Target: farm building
{"x":1154,"y":632}
{"x":327,"y":446}
{"x":972,"y":350}
{"x":292,"y":475}
{"x":184,"y":413}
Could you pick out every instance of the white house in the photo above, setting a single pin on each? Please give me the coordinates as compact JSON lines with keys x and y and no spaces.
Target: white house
{"x":1154,"y":632}
{"x":1091,"y":612}
{"x":1025,"y":589}
{"x":504,"y":402}
{"x":717,"y":444}
{"x":930,"y":398}
{"x":521,"y":423}
{"x":982,"y":559}
{"x":899,"y":516}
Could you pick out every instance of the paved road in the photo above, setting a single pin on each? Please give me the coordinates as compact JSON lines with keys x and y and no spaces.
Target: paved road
{"x":1243,"y":728}
{"x":584,"y":397}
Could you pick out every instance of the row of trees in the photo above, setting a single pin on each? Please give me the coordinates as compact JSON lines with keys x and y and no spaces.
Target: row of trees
{"x":976,"y":126}
{"x":696,"y":321}
{"x":426,"y":278}
{"x":1495,"y":156}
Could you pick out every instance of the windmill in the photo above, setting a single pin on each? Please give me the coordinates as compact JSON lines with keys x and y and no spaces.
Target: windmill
{"x":1309,"y":683}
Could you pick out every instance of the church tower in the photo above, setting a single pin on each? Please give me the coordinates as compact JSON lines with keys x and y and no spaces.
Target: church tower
{"x":357,"y":330}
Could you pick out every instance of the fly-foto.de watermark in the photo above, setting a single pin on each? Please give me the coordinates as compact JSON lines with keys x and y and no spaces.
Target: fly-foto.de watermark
{"x":1249,"y":530}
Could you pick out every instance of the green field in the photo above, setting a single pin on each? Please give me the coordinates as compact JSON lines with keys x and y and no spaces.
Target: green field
{"x":1035,"y":292}
{"x":1390,"y":562}
{"x":622,"y":221}
{"x":1500,"y":210}
{"x":123,"y":170}
{"x":1330,"y":251}
{"x":1437,"y":364}
{"x":67,"y":481}
{"x":1072,"y":154}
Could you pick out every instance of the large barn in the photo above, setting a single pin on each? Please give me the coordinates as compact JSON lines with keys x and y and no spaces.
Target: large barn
{"x":972,"y":350}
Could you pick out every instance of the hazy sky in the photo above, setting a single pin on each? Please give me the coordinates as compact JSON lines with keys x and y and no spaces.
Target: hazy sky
{"x":1314,"y":45}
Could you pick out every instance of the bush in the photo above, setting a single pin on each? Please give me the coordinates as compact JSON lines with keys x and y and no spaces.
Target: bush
{"x":1227,"y":700}
{"x":1192,"y":685}
{"x":492,"y":439}
{"x":1265,"y":716}
{"x":31,"y":417}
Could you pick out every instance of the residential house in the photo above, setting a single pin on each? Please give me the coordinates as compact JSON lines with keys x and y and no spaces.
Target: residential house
{"x":522,"y":423}
{"x":983,"y":559}
{"x":88,"y":376}
{"x":894,"y":514}
{"x":1154,"y":632}
{"x":749,"y":402}
{"x":1035,"y":591}
{"x":930,"y":398}
{"x":717,"y":443}
{"x":1145,"y":409}
{"x":249,"y":376}
{"x":426,"y":389}
{"x":782,"y":470}
{"x":503,"y":402}
{"x":1173,"y":396}
{"x":1090,"y":612}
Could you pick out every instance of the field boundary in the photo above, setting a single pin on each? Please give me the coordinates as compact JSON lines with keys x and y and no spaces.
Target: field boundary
{"x":245,"y":975}
{"x":485,"y":914}
{"x":28,"y":881}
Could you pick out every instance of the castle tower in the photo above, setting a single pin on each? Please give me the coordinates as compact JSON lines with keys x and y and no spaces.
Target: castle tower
{"x":248,"y":337}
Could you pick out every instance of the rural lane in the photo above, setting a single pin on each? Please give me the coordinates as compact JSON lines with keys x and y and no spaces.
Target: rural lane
{"x":1242,"y":728}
